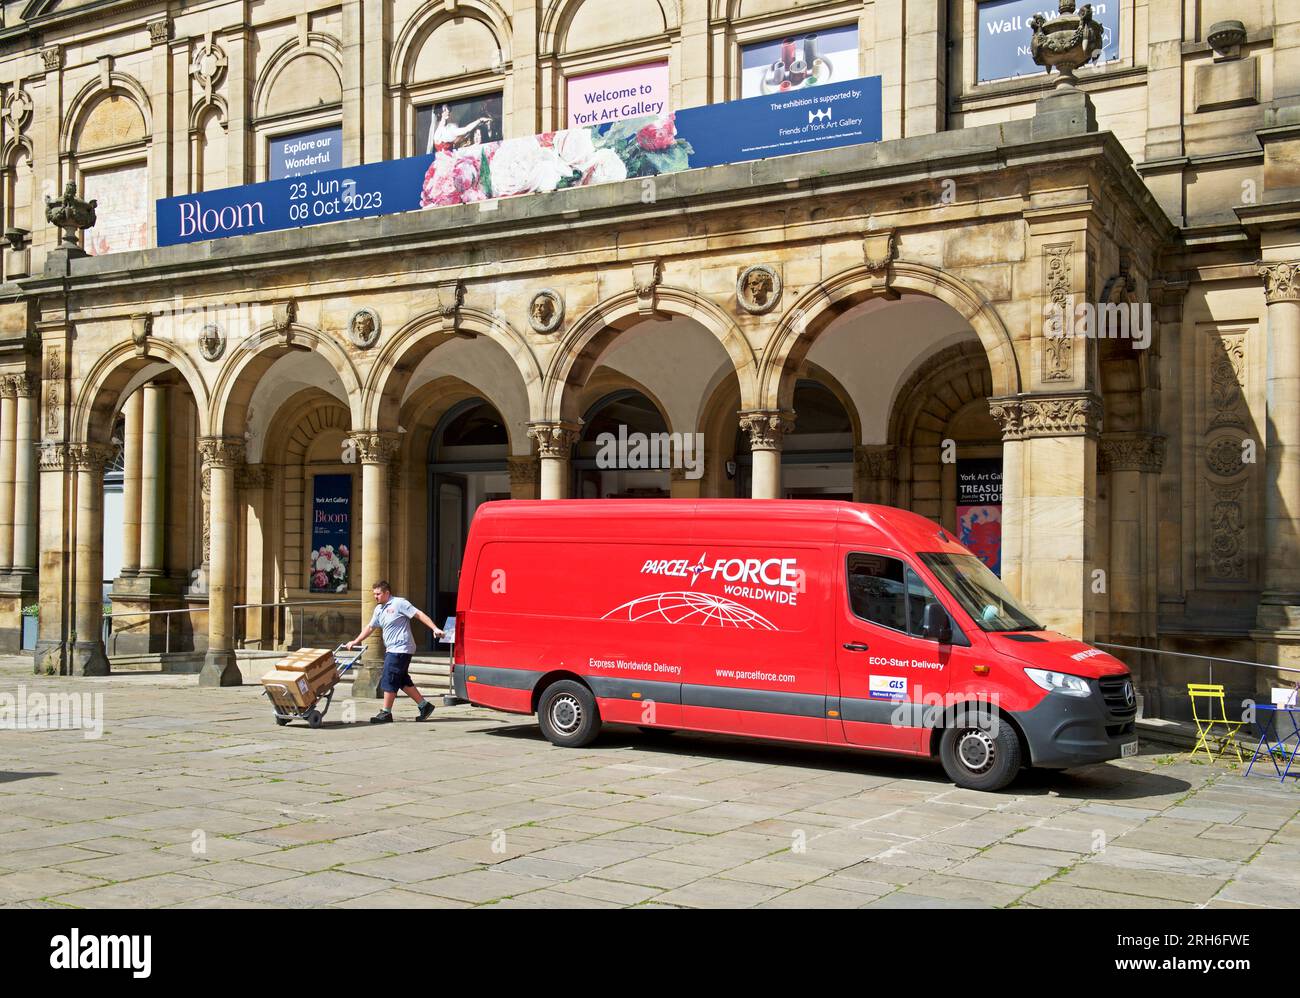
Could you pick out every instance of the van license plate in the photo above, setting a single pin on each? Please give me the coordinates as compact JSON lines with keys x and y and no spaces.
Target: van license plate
{"x":1128,"y":749}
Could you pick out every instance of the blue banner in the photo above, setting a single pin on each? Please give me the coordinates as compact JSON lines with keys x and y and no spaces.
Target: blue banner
{"x":331,"y":534}
{"x":1002,"y":48}
{"x":306,"y":152}
{"x":824,"y":117}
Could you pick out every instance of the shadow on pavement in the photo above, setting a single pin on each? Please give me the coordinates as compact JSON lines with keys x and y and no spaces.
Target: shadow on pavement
{"x":1100,"y":782}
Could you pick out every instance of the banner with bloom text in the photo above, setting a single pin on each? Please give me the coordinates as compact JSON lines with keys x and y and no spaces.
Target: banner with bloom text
{"x":827,"y":117}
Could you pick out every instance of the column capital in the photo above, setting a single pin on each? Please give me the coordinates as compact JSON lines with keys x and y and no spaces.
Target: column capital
{"x":1025,"y":416}
{"x":255,"y":476}
{"x":1281,"y":281}
{"x":54,"y":455}
{"x":767,"y":427}
{"x":523,"y":470}
{"x":375,"y":446}
{"x":1131,"y":452}
{"x":878,"y":461}
{"x":554,"y":439}
{"x":93,"y":458}
{"x":26,"y":385}
{"x":9,"y":386}
{"x":221,"y":452}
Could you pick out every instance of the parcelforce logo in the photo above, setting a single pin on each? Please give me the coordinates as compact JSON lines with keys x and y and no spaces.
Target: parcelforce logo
{"x":782,"y":573}
{"x":95,"y":952}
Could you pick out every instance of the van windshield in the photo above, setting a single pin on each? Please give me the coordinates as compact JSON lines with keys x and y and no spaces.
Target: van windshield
{"x":980,"y":592}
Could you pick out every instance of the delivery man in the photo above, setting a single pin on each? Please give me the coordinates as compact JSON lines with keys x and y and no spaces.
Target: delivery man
{"x":393,"y":616}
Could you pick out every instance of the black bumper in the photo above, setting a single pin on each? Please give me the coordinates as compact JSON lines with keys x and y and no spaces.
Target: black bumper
{"x":459,"y":692}
{"x":1064,"y":731}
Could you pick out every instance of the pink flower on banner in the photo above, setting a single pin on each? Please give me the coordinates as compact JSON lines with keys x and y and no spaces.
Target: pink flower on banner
{"x":343,"y":550}
{"x":451,"y":179}
{"x":546,"y":139}
{"x":319,"y":580}
{"x":657,"y":136}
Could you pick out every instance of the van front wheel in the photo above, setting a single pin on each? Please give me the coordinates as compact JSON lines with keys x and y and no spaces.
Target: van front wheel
{"x":980,"y":753}
{"x":568,"y":714}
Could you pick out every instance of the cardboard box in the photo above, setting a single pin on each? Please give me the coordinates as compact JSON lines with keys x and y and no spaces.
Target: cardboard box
{"x":316,"y":664}
{"x":289,"y":689}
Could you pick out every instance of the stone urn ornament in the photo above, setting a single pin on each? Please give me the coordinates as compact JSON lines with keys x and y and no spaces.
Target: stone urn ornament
{"x":1067,"y":41}
{"x":71,"y":215}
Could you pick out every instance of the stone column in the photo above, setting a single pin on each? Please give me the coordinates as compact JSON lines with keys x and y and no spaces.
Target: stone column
{"x":255,"y":481}
{"x":555,"y":442}
{"x":222,"y":456}
{"x":523,"y":476}
{"x":1049,"y":504}
{"x":1279,"y":605}
{"x":767,"y":429}
{"x":1132,"y":461}
{"x":376,"y":450}
{"x":876,"y":471}
{"x":132,"y":439}
{"x":153,"y":478}
{"x":88,"y":655}
{"x":8,"y":453}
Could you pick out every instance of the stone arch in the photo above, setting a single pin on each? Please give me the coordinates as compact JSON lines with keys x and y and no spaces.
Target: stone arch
{"x":248,"y":362}
{"x":319,"y":46}
{"x":89,"y":99}
{"x":100,"y":395}
{"x":18,"y":149}
{"x":386,"y":384}
{"x":202,"y":108}
{"x":424,"y":409}
{"x":580,"y":349}
{"x":950,"y":387}
{"x":431,"y":16}
{"x":558,"y":18}
{"x":816,"y":308}
{"x":815,"y":372}
{"x":602,"y":385}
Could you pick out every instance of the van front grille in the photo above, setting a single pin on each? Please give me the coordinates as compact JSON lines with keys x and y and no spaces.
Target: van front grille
{"x":1116,"y":691}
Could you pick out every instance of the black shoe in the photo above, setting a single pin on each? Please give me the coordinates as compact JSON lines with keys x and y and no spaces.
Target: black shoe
{"x":426,"y":710}
{"x":383,"y":717}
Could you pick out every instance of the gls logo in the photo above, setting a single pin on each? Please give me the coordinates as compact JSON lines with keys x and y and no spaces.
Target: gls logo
{"x":94,"y":952}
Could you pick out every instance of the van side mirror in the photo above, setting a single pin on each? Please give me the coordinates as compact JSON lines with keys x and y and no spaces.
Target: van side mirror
{"x":936,"y":625}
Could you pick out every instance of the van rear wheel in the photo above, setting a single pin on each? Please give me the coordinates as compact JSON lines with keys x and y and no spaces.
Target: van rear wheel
{"x":568,"y":715}
{"x":980,"y":752}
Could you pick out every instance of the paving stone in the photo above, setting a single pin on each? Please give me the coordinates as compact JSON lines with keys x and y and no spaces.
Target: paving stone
{"x":1144,"y":883}
{"x":715,"y":892}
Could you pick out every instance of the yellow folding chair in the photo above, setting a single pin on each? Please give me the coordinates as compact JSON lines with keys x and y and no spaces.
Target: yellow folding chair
{"x":1221,"y":729}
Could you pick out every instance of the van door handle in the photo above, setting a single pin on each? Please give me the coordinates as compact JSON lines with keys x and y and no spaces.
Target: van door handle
{"x":855,"y":646}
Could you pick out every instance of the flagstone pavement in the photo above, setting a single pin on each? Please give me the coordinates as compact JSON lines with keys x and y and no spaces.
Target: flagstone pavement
{"x":195,"y":798}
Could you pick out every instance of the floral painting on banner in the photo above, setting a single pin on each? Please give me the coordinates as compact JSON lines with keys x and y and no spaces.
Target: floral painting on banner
{"x":552,"y":161}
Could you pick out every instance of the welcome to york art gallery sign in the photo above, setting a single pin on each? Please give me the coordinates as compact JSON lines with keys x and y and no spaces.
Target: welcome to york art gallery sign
{"x":825,"y":117}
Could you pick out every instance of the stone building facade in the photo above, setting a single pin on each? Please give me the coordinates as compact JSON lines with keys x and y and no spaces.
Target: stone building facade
{"x":839,"y":323}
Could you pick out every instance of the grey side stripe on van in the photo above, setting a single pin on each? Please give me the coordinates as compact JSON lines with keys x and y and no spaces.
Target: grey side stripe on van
{"x":762,"y":701}
{"x":622,"y":689}
{"x":891,"y":712}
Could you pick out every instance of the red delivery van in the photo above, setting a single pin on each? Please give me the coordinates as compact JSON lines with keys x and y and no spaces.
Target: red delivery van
{"x":809,"y":621}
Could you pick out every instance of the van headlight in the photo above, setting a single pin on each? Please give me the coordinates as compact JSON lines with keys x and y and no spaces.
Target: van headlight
{"x":1060,"y":682}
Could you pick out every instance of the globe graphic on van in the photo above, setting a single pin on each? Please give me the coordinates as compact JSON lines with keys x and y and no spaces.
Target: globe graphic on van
{"x":691,"y":608}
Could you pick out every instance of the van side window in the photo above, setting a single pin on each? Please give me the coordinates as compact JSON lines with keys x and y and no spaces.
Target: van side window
{"x":887,"y":592}
{"x":876,"y":590}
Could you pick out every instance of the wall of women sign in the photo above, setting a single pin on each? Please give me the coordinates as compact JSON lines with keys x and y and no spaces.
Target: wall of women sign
{"x":827,"y":116}
{"x":331,"y":534}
